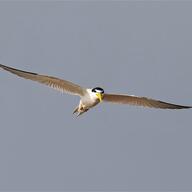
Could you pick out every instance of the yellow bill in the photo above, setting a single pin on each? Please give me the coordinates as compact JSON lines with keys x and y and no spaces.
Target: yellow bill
{"x":99,"y":95}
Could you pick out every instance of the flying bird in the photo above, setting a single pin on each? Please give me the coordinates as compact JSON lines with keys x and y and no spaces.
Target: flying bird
{"x":91,"y":97}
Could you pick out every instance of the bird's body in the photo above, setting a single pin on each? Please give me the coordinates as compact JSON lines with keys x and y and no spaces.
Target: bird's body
{"x":91,"y":97}
{"x":86,"y":102}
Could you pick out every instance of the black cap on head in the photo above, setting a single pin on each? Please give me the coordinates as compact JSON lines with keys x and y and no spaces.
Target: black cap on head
{"x":98,"y":90}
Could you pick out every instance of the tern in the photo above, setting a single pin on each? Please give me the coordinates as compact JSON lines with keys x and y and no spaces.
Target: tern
{"x":91,"y":97}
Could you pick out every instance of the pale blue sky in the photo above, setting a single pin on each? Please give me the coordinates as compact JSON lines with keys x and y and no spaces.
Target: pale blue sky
{"x":140,"y":48}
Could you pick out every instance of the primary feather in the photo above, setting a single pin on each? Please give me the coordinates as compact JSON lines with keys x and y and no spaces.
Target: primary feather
{"x":56,"y":83}
{"x":141,"y":101}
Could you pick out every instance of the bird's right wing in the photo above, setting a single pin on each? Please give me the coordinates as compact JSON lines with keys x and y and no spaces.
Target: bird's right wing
{"x":141,"y":101}
{"x":56,"y":83}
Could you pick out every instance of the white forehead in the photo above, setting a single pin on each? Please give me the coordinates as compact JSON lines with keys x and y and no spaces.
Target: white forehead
{"x":99,"y":90}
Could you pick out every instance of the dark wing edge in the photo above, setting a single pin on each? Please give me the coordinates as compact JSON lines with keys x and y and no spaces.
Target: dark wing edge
{"x":53,"y":82}
{"x":141,"y":101}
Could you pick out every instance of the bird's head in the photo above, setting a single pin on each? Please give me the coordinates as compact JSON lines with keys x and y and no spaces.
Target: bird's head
{"x":99,"y":92}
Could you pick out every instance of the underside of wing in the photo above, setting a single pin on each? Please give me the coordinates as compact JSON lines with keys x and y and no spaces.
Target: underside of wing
{"x":56,"y":83}
{"x":141,"y":101}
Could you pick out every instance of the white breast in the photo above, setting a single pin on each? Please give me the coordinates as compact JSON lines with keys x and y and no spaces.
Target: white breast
{"x":90,"y":99}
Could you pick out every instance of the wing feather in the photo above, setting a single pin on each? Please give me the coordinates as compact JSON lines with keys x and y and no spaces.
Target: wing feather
{"x":53,"y":82}
{"x":141,"y":101}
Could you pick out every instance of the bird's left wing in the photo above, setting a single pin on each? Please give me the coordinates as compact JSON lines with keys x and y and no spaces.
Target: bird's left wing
{"x":56,"y":83}
{"x":141,"y":101}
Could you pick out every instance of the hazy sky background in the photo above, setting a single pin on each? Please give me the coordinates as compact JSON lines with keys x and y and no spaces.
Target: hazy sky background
{"x":140,"y":48}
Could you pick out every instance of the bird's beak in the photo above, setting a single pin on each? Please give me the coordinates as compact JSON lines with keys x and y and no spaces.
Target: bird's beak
{"x":99,"y":95}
